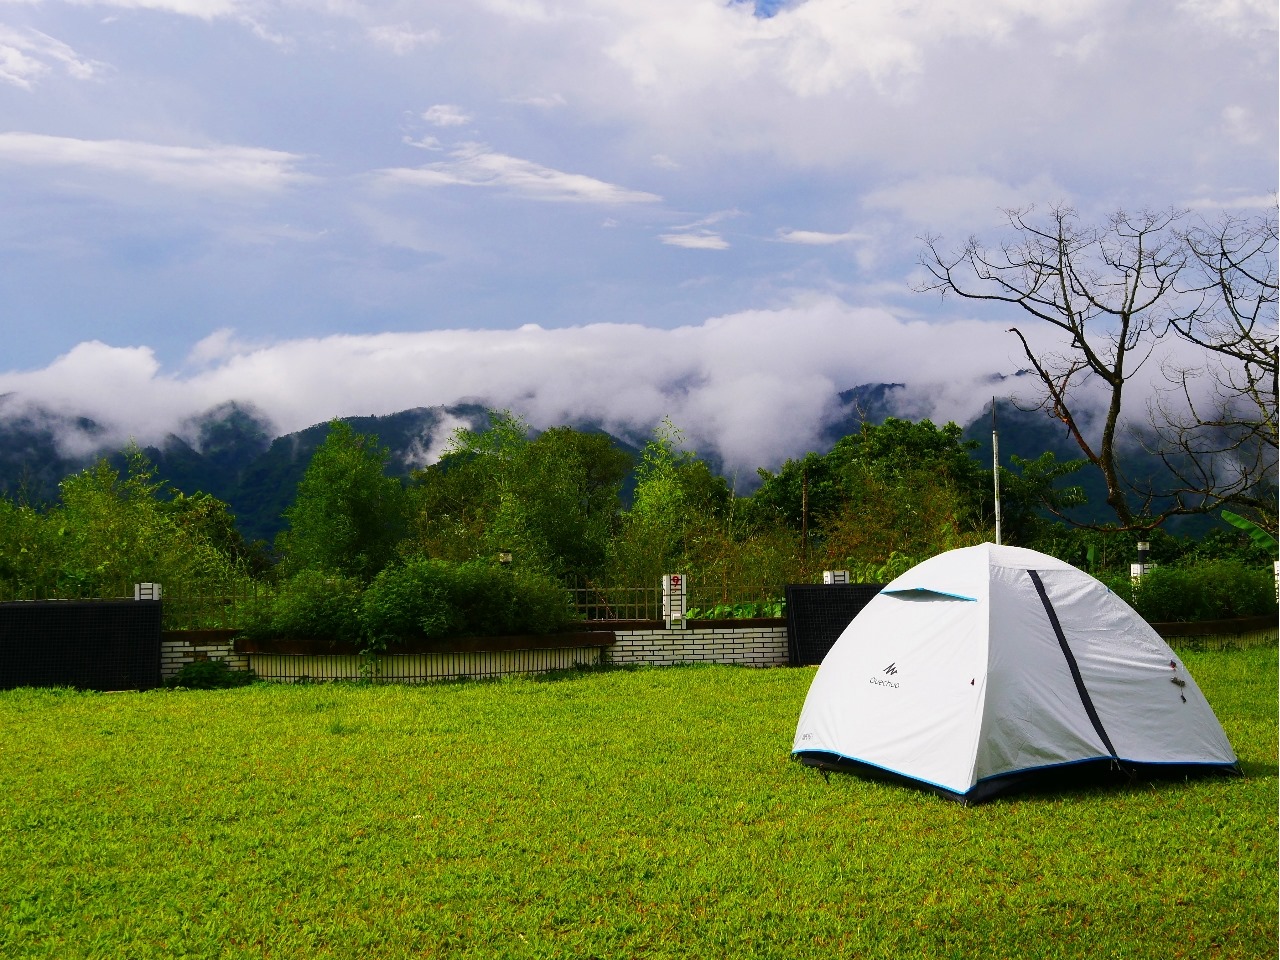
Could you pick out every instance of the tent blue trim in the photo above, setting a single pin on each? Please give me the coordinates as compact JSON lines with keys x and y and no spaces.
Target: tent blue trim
{"x":896,"y":773}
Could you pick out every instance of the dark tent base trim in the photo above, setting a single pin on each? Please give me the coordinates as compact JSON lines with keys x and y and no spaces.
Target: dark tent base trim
{"x":1083,"y":774}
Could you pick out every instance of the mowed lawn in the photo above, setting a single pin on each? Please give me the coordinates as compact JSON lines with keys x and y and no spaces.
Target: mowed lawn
{"x":648,"y":813}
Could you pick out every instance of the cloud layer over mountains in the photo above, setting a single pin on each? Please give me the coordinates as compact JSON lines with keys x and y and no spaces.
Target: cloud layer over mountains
{"x":753,"y":388}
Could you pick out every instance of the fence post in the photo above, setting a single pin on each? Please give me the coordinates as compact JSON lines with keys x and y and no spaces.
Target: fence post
{"x":674,"y":601}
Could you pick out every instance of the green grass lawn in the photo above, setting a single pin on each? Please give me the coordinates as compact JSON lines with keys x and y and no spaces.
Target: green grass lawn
{"x":651,"y":813}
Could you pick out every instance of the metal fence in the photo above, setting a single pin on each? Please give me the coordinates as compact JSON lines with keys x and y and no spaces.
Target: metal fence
{"x":186,"y":607}
{"x":229,"y":606}
{"x":707,"y":598}
{"x":99,"y":591}
{"x":618,"y":603}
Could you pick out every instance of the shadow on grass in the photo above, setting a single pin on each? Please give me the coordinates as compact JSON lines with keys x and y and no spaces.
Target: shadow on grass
{"x":566,"y":675}
{"x":1072,"y":782}
{"x":1259,"y":771}
{"x":582,"y":672}
{"x":1102,"y":785}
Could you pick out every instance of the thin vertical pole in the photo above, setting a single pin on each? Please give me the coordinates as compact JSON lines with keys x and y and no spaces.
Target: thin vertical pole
{"x":995,"y":464}
{"x":804,"y":512}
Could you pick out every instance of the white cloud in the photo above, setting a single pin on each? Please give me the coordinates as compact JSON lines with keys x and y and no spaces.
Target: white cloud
{"x":424,"y":143}
{"x":200,"y":9}
{"x":910,"y":88}
{"x":446,"y":115}
{"x":812,"y":49}
{"x":753,"y":387}
{"x":551,"y":102}
{"x":1237,"y":202}
{"x":971,"y":202}
{"x":19,"y":69}
{"x":474,"y":165}
{"x":817,"y":238}
{"x":402,"y":39}
{"x":26,"y":55}
{"x":1239,"y":124}
{"x":192,"y":168}
{"x":1235,"y":17}
{"x":420,"y":455}
{"x":699,"y":240}
{"x":696,"y":236}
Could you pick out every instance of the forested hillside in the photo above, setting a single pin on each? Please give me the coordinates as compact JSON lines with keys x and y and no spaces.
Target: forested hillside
{"x":231,"y":454}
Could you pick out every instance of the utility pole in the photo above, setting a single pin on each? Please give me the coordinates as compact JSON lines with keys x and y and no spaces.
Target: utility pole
{"x":995,"y":464}
{"x":804,"y":512}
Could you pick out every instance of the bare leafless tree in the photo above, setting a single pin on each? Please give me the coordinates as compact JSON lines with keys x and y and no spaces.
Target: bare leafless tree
{"x":1109,"y":291}
{"x":1216,"y":428}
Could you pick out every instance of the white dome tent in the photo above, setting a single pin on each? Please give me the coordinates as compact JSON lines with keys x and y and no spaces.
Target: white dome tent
{"x":982,"y":667}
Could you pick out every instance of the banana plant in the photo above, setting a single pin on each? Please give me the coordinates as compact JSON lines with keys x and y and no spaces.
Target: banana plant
{"x":1259,"y":535}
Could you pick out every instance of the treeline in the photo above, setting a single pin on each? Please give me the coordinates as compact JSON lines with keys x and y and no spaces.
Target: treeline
{"x":510,"y":518}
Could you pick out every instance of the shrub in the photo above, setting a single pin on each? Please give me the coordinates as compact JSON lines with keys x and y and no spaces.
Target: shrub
{"x":408,"y":600}
{"x":210,"y":675}
{"x":311,"y":604}
{"x":542,"y":604}
{"x":1216,"y":590}
{"x":436,"y":599}
{"x":738,"y":611}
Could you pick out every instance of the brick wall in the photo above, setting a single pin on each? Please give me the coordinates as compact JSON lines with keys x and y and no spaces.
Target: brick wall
{"x":753,"y":646}
{"x":180,"y":647}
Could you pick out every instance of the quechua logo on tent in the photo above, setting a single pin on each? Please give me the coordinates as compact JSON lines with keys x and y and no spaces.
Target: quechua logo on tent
{"x":888,"y":671}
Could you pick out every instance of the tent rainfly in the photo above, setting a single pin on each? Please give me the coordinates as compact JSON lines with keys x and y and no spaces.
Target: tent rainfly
{"x":983,"y":668}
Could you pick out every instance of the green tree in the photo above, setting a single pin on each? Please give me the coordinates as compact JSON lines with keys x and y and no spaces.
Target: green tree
{"x":28,"y":560}
{"x":552,"y":500}
{"x":892,"y":487}
{"x":1034,"y":487}
{"x":205,"y":516}
{"x":109,"y":530}
{"x":678,"y":514}
{"x":348,"y":514}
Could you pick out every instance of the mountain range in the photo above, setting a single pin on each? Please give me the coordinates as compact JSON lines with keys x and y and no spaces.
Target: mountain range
{"x":230,"y":453}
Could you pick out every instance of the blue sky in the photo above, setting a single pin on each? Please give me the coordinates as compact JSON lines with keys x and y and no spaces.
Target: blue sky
{"x":692,"y":208}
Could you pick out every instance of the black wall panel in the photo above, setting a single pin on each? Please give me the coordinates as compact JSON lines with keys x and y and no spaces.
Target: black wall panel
{"x":817,"y":614}
{"x":89,"y":644}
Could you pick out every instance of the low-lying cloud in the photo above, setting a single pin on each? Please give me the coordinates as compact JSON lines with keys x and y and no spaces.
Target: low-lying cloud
{"x":753,"y":387}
